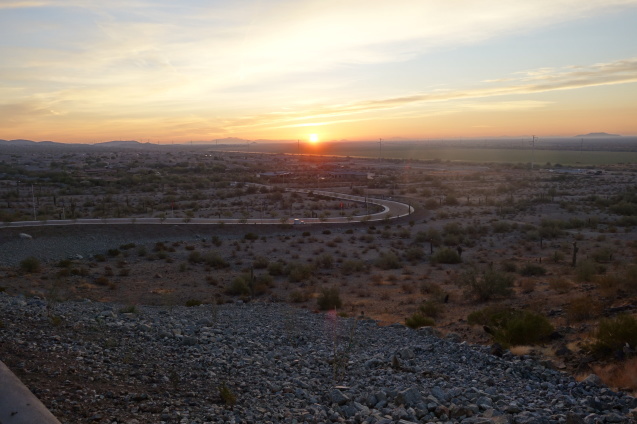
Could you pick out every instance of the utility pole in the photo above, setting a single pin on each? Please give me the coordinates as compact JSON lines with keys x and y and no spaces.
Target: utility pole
{"x":35,"y":218}
{"x":380,"y":149}
{"x":532,"y":151}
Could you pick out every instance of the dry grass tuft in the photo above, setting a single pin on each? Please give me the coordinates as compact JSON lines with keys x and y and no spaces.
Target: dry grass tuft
{"x":621,"y":375}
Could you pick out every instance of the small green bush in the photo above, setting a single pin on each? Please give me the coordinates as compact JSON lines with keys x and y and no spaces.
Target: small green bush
{"x":275,"y":268}
{"x":239,"y":286}
{"x":298,"y":296}
{"x":512,"y":327}
{"x":532,"y":270}
{"x":251,"y":236}
{"x":414,"y":253}
{"x":64,"y":263}
{"x":418,"y":320}
{"x":388,"y":260}
{"x":486,"y":285}
{"x":586,"y":270}
{"x":329,"y":298}
{"x":195,"y":257}
{"x":193,"y":302}
{"x":446,"y":255}
{"x":260,"y":262}
{"x":430,"y":309}
{"x":613,"y":334}
{"x":298,"y":272}
{"x":212,"y":259}
{"x":30,"y":264}
{"x":226,"y":395}
{"x":352,"y":266}
{"x":325,"y":261}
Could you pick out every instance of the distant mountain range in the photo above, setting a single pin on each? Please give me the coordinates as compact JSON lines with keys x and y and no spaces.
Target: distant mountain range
{"x":598,"y":135}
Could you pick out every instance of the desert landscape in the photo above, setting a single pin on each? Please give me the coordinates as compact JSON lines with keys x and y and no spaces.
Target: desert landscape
{"x":537,"y":260}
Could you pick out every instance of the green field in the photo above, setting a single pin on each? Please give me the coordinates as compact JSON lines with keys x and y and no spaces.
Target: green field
{"x":458,"y":154}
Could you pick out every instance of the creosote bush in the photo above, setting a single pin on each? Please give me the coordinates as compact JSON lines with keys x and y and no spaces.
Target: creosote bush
{"x":329,"y":298}
{"x":532,"y":270}
{"x":513,"y":327}
{"x":486,"y":285}
{"x":388,"y":260}
{"x":30,"y":264}
{"x":418,"y":320}
{"x":227,"y":396}
{"x":613,"y":334}
{"x":445,"y":255}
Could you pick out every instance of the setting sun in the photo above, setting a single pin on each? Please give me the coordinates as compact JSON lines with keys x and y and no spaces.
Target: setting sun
{"x":314,"y":138}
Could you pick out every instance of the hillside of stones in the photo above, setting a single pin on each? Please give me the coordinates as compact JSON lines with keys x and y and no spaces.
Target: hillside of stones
{"x":270,"y":363}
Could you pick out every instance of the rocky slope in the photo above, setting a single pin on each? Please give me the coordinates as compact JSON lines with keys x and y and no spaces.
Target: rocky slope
{"x":104,"y":363}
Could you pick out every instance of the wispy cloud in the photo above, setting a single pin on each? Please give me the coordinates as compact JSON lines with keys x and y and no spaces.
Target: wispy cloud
{"x":569,"y":78}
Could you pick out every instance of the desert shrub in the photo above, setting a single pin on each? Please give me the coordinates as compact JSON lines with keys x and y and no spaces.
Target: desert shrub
{"x":260,"y":262}
{"x":613,"y":334}
{"x":432,"y":289}
{"x":113,"y":252}
{"x":508,"y":266}
{"x":527,"y":286}
{"x":500,"y":227}
{"x":298,"y":272}
{"x":212,"y":259}
{"x":226,"y":395}
{"x":445,"y":255}
{"x":100,"y":258}
{"x":329,"y":298}
{"x":557,"y":256}
{"x":216,"y":241}
{"x":239,"y":286}
{"x":30,"y":264}
{"x":64,"y":263}
{"x":418,"y":320}
{"x":351,"y":266}
{"x":275,"y":268}
{"x":582,"y":308}
{"x":193,"y":302}
{"x":560,"y":285}
{"x":141,"y":251}
{"x":195,"y":257}
{"x":325,"y":261}
{"x":617,"y":283}
{"x":602,"y":255}
{"x":102,"y":281}
{"x":388,"y":260}
{"x":299,"y":296}
{"x":586,"y":270}
{"x":513,"y":327}
{"x":305,"y":234}
{"x":414,"y":253}
{"x":532,"y":270}
{"x":493,"y":316}
{"x":251,"y":236}
{"x":127,"y":246}
{"x":486,"y":285}
{"x":431,"y":309}
{"x":124,"y":272}
{"x":526,"y":328}
{"x":327,"y":232}
{"x":128,"y":309}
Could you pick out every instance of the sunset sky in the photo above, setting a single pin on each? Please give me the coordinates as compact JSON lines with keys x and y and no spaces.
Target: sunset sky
{"x":166,"y":70}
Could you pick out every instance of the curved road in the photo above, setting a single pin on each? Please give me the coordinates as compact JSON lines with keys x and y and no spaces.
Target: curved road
{"x":391,"y":210}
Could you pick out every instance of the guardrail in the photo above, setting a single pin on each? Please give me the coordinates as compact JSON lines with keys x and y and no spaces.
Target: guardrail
{"x":18,"y":405}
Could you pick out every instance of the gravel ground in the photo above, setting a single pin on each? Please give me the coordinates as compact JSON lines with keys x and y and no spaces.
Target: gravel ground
{"x":102,"y":363}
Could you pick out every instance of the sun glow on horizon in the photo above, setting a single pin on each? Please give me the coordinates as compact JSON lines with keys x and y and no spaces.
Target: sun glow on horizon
{"x":314,"y":138}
